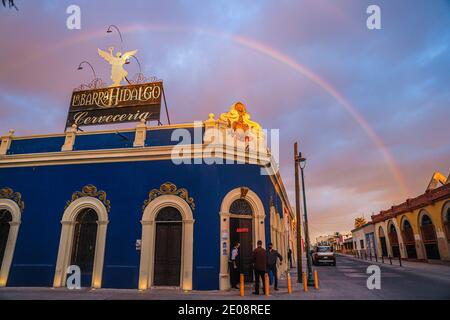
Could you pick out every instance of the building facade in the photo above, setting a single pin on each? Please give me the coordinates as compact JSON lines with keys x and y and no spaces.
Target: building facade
{"x":417,"y":229}
{"x":363,"y":238}
{"x":139,"y":208}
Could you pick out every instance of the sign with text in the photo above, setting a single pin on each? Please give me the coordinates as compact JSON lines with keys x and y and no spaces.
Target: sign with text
{"x":130,"y":103}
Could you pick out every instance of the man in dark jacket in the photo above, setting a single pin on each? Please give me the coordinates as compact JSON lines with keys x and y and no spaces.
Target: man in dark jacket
{"x":260,"y":266}
{"x":272,"y":256}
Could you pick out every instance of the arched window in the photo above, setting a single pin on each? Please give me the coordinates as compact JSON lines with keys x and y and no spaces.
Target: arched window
{"x":84,"y":240}
{"x":241,"y":206}
{"x":169,"y":214}
{"x":426,"y":220}
{"x":5,"y":219}
{"x":427,"y":229}
{"x":392,"y":228}
{"x":408,"y":232}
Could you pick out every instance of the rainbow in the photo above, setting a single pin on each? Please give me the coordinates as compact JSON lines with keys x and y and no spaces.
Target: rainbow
{"x":255,"y":46}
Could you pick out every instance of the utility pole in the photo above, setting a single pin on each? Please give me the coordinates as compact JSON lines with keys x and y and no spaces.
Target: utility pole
{"x":302,"y":162}
{"x":298,"y":215}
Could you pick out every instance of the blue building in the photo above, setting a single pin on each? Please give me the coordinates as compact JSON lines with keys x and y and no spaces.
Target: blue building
{"x":139,"y":208}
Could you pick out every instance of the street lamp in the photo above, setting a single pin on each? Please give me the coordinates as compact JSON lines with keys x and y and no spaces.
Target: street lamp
{"x":137,"y":60}
{"x":80,"y":67}
{"x":298,"y":224}
{"x":302,"y":162}
{"x":120,"y":35}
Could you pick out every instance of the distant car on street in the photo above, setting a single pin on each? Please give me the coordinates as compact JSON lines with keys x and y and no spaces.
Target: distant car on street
{"x":323,"y":255}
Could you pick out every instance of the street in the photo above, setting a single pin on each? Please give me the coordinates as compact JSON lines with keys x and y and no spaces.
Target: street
{"x":345,"y":281}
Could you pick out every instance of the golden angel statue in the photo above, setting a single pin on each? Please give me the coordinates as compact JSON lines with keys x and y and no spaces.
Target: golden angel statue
{"x":118,"y":73}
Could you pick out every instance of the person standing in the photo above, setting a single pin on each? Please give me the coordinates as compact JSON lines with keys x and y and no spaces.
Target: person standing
{"x":272,"y":257}
{"x":260,"y":266}
{"x":234,"y":265}
{"x":290,"y":258}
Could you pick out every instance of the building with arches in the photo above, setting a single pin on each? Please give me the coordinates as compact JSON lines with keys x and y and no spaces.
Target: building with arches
{"x":417,"y":229}
{"x":140,"y":208}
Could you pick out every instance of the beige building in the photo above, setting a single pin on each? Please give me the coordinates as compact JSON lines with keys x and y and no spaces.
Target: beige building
{"x":363,"y":238}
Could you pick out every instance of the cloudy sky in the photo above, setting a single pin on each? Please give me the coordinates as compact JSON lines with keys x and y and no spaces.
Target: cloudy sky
{"x":370,"y":108}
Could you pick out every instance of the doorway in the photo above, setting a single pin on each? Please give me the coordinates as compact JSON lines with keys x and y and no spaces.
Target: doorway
{"x":241,"y":231}
{"x":84,"y":241}
{"x":5,"y":220}
{"x":429,"y":238}
{"x":167,"y":265}
{"x":393,"y":239}
{"x":408,"y":238}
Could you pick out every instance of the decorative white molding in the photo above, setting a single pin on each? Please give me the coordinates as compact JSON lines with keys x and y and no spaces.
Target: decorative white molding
{"x":94,"y":132}
{"x":224,"y":216}
{"x":145,"y":154}
{"x":6,"y":142}
{"x":13,"y":208}
{"x":140,"y":135}
{"x":70,"y":138}
{"x":66,"y":240}
{"x":126,"y":155}
{"x":146,"y":270}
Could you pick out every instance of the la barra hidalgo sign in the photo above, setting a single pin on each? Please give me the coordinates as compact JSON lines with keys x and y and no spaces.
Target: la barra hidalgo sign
{"x":117,"y":104}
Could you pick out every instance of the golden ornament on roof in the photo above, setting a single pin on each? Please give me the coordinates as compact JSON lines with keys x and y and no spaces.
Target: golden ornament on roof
{"x":238,"y":119}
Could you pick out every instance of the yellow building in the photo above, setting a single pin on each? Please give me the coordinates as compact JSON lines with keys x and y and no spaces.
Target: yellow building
{"x":417,"y":229}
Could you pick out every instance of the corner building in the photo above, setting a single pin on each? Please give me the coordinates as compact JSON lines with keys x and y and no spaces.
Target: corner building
{"x":119,"y":205}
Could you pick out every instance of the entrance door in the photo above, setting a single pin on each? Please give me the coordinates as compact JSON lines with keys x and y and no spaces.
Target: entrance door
{"x":393,"y":238}
{"x":84,"y":242}
{"x":410,"y":242}
{"x":5,"y":219}
{"x":167,"y":263}
{"x":241,"y":231}
{"x":429,"y":238}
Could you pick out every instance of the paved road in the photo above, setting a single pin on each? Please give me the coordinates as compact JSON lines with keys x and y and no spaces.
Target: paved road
{"x":348,"y":281}
{"x":345,"y":281}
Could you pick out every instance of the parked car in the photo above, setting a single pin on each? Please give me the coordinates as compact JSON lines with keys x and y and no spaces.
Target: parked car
{"x":323,"y":255}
